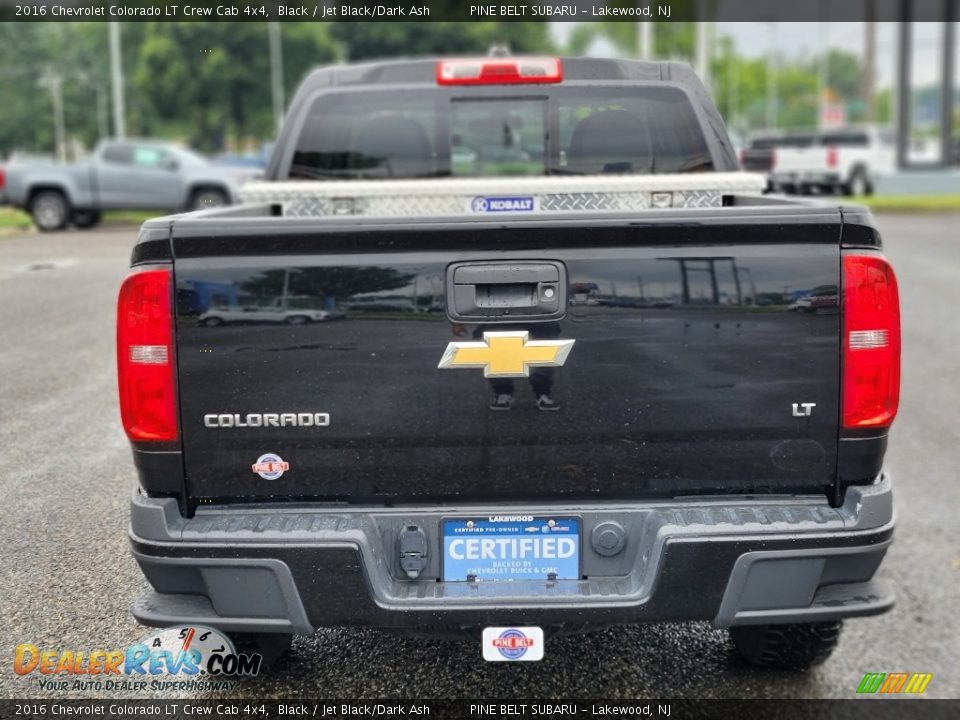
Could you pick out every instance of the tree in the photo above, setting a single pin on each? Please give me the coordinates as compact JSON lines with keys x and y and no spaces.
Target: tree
{"x":671,"y":40}
{"x":76,"y":53}
{"x":362,"y":41}
{"x":210,"y":82}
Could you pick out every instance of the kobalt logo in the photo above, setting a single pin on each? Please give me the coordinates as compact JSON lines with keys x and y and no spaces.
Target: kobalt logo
{"x":235,"y":420}
{"x":503,"y":204}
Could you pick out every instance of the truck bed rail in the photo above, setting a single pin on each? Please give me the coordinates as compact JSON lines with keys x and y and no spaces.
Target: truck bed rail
{"x":509,"y":196}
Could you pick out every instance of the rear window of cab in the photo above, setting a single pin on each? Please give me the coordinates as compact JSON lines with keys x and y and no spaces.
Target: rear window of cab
{"x":563,"y":131}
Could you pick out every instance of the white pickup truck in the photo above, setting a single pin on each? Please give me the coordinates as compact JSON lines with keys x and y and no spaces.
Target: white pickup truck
{"x":848,"y":160}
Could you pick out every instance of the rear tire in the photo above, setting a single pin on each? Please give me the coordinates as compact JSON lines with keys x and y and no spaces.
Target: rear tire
{"x":207,"y":198}
{"x":795,"y":646}
{"x":297,"y":320}
{"x":84,"y":219}
{"x":271,"y":646}
{"x":50,"y":210}
{"x":859,"y":184}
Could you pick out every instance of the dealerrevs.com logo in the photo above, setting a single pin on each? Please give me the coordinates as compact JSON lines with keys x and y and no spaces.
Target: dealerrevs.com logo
{"x":189,"y":658}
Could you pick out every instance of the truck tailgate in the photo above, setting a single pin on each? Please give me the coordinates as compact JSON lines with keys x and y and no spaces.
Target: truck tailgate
{"x":690,"y":372}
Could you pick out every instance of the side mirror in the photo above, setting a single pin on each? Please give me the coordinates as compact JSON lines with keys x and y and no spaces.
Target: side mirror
{"x":172,"y":164}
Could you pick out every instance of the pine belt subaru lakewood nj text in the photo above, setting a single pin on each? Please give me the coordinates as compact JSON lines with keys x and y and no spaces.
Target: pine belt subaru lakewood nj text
{"x":509,"y":347}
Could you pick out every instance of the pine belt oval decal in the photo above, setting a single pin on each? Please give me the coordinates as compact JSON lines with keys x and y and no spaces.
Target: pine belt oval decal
{"x":506,"y":354}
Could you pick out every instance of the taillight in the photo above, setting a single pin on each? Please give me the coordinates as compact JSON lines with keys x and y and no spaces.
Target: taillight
{"x":3,"y":178}
{"x":145,"y":357}
{"x":832,"y":157}
{"x":499,"y":71}
{"x":773,"y":159}
{"x":871,"y":342}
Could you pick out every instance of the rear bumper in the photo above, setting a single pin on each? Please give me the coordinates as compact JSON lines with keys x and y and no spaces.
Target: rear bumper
{"x":729,"y":562}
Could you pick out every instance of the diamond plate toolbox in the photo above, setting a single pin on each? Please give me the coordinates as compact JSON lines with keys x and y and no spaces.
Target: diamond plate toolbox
{"x":509,"y":196}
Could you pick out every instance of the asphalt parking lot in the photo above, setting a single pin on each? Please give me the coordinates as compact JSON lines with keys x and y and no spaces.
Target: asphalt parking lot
{"x":68,"y":580}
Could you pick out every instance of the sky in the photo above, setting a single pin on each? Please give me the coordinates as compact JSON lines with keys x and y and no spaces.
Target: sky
{"x":798,"y":40}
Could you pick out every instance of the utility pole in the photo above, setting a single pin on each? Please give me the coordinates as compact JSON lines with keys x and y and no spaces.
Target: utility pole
{"x":772,"y":70}
{"x":702,"y":52}
{"x":645,"y":39}
{"x":823,"y":76}
{"x":276,"y":71}
{"x":92,"y":80}
{"x":116,"y":80}
{"x":733,"y":70}
{"x":103,"y":121}
{"x":52,"y":81}
{"x":869,"y":78}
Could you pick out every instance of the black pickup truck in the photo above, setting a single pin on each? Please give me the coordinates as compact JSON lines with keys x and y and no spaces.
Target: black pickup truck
{"x":548,"y":375}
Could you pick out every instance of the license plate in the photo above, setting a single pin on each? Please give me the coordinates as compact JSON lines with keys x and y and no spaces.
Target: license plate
{"x":512,"y":644}
{"x":511,"y":547}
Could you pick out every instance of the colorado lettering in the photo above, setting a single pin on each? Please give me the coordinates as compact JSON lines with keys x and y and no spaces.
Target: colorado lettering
{"x":228,"y":420}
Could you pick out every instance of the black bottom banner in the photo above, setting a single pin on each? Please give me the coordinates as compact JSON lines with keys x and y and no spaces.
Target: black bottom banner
{"x":868,"y":709}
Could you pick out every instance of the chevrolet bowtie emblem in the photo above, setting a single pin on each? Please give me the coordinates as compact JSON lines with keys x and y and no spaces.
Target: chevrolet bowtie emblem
{"x":506,"y":354}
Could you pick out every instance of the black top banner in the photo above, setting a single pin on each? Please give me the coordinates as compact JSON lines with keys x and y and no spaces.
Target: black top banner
{"x":463,"y":11}
{"x":330,"y":709}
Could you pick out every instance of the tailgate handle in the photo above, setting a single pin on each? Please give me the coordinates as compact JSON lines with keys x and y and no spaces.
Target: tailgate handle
{"x":506,"y":291}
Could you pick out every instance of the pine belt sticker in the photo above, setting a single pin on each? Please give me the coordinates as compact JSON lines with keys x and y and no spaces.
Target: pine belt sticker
{"x":503,"y":203}
{"x":270,"y":466}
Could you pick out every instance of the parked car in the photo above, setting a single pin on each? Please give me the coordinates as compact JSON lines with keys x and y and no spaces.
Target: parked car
{"x":846,"y":160}
{"x":276,"y":311}
{"x":821,"y":300}
{"x":710,"y":463}
{"x":758,"y":154}
{"x":121,"y":174}
{"x":385,"y":305}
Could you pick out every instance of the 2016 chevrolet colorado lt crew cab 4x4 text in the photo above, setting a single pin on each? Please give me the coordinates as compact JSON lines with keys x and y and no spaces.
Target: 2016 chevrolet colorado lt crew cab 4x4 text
{"x":566,"y":388}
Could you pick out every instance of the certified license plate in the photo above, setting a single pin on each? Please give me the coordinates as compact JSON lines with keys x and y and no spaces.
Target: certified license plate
{"x":511,"y":547}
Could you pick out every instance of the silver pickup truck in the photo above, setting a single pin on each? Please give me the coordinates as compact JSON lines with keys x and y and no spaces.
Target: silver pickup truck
{"x":121,"y":174}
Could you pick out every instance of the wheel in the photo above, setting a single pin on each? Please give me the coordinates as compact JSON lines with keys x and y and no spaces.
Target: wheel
{"x":212,"y":321}
{"x":50,"y":210}
{"x":297,"y":320}
{"x":271,"y":646}
{"x":859,"y":184}
{"x":207,"y":198}
{"x":85,"y":218}
{"x":794,"y":646}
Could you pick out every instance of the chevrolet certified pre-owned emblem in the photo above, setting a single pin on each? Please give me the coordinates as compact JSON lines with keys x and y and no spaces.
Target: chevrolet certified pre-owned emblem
{"x":506,"y":354}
